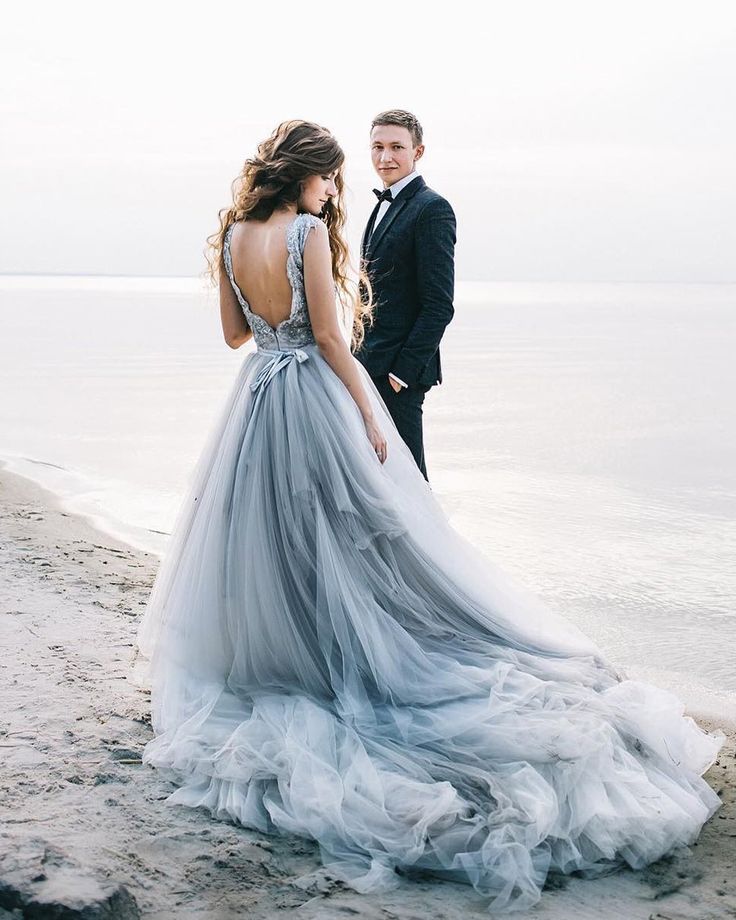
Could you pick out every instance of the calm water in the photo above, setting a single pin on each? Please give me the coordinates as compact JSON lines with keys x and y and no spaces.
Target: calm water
{"x":584,"y":438}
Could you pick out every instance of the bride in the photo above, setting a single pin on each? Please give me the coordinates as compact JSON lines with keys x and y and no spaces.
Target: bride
{"x":327,"y":657}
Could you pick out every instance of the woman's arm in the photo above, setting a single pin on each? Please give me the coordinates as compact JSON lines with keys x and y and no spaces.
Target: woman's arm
{"x":235,"y":326}
{"x":320,"y":290}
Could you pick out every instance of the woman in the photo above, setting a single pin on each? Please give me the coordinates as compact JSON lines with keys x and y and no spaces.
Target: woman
{"x":329,"y":658}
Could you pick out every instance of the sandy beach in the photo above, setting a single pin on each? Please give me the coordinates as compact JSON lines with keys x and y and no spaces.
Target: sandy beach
{"x":86,"y":825}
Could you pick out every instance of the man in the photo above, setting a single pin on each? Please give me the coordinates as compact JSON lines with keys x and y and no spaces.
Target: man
{"x":408,"y":251}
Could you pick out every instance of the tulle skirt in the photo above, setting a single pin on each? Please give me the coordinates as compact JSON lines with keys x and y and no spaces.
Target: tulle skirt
{"x":327,"y":657}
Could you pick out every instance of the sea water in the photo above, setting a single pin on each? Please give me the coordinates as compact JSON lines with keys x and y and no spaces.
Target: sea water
{"x":583,"y":438}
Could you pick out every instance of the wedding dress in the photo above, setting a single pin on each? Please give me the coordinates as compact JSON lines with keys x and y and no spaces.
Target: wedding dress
{"x":327,"y":657}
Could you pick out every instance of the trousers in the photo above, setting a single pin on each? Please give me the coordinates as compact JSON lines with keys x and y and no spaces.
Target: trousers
{"x":405,"y":408}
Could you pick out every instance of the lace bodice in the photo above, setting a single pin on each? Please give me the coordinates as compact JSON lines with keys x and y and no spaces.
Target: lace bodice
{"x":296,"y":329}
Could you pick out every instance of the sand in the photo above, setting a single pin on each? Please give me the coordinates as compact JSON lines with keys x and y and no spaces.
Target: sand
{"x":77,"y":799}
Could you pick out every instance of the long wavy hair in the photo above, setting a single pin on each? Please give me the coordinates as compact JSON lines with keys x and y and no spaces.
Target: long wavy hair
{"x":273,"y":179}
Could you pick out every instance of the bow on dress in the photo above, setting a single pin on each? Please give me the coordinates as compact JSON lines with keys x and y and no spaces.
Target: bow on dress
{"x":276,"y":361}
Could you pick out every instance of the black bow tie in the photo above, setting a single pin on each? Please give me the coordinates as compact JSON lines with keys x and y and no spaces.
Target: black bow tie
{"x":383,"y":195}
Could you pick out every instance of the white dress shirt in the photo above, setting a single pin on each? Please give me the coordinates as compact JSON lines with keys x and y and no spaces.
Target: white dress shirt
{"x":385,"y":205}
{"x":395,"y":189}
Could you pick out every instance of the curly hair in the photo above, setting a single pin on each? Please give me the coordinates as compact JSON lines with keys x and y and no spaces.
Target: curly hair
{"x":273,"y":179}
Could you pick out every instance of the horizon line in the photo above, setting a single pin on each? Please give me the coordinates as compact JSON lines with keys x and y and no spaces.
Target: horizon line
{"x":202,"y":278}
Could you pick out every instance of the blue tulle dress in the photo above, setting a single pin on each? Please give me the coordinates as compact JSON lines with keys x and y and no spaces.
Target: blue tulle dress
{"x":327,"y":657}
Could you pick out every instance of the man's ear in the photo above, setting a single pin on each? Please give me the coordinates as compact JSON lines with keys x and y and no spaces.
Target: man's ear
{"x":418,"y":151}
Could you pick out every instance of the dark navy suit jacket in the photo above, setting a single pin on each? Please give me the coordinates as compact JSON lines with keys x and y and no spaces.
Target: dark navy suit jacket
{"x":410,"y":261}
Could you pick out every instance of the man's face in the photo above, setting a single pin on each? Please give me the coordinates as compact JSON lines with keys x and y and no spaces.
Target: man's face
{"x":393,"y":152}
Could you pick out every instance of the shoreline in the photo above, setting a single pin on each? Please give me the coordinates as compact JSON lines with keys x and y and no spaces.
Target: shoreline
{"x":75,"y":725}
{"x":59,"y":483}
{"x":66,"y":492}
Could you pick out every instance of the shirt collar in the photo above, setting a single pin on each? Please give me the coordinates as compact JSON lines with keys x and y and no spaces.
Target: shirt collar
{"x":402,"y":183}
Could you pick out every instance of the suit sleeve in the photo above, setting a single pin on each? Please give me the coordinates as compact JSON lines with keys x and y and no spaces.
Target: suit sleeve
{"x":435,"y":237}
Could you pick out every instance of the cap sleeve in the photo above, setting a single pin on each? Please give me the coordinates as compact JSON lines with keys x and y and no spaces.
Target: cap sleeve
{"x":298,"y":233}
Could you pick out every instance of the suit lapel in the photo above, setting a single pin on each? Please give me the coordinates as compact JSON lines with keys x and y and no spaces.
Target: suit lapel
{"x":367,"y":227}
{"x":399,"y":202}
{"x":388,"y":218}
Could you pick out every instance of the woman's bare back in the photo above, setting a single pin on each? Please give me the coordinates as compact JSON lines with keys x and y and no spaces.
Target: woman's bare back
{"x":259,"y":254}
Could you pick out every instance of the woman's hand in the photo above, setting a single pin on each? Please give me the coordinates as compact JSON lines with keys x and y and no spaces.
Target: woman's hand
{"x":375,"y":436}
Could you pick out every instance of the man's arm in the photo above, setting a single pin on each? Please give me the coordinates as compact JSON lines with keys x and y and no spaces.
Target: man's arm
{"x":435,"y":237}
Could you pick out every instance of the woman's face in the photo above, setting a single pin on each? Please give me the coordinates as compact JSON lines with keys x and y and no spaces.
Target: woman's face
{"x":316,"y":192}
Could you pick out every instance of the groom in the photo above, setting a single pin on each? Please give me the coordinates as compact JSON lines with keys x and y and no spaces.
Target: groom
{"x":408,"y":251}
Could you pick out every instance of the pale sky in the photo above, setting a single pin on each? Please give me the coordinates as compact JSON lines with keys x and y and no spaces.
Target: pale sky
{"x":577,"y":140}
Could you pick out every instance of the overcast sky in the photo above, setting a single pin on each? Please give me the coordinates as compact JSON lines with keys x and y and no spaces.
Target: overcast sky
{"x":577,"y":141}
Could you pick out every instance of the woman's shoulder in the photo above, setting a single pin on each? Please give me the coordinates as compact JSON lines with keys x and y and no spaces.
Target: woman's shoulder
{"x":303,"y":224}
{"x":234,"y":230}
{"x":305,"y":219}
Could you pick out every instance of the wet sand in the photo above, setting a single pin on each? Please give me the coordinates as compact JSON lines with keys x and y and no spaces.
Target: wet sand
{"x":76,"y":798}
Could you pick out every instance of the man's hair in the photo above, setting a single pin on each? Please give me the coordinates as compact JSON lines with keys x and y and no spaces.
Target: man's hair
{"x":404,"y":120}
